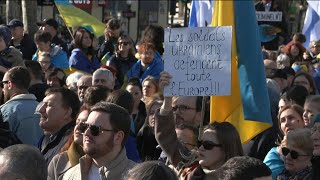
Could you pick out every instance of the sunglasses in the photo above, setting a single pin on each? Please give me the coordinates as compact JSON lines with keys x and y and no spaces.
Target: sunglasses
{"x":95,"y":130}
{"x":293,"y":154}
{"x":2,"y":83}
{"x":208,"y":145}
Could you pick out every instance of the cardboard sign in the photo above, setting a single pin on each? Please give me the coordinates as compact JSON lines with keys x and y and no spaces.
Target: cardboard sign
{"x":199,"y":59}
{"x":273,"y":16}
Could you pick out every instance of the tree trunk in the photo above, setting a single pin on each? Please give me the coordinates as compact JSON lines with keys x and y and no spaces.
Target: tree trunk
{"x":29,"y":14}
{"x":13,"y":10}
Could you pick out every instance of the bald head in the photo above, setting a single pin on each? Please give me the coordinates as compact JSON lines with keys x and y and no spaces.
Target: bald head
{"x":83,"y":84}
{"x":268,"y":66}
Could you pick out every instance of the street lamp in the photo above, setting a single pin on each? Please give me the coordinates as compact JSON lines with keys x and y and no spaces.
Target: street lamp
{"x":128,"y":13}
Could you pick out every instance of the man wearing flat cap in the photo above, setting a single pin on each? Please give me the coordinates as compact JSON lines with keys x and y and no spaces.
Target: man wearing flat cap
{"x":51,"y":26}
{"x":21,"y":40}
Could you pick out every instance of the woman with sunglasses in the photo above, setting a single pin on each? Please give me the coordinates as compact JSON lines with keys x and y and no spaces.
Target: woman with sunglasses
{"x":297,"y":155}
{"x":289,"y":118}
{"x":123,"y":59}
{"x":71,"y":152}
{"x":218,"y":143}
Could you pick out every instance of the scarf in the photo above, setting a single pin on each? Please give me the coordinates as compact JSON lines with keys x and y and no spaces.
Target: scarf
{"x":286,"y":175}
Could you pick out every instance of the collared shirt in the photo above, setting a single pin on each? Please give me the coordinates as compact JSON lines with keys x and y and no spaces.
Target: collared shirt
{"x":94,"y":173}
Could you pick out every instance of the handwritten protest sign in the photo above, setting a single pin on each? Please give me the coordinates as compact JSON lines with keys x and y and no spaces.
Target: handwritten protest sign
{"x":273,"y":16}
{"x":199,"y":59}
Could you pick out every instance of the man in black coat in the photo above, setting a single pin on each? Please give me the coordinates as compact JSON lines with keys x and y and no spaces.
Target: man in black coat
{"x":21,"y":40}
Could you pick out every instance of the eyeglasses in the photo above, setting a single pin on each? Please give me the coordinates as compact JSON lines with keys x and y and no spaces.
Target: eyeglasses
{"x":124,"y":43}
{"x":2,"y":83}
{"x":208,"y":145}
{"x":95,"y":130}
{"x":182,"y":108}
{"x":293,"y":154}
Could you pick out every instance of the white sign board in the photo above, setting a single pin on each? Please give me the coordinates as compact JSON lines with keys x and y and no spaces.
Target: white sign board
{"x":199,"y":60}
{"x":275,"y":16}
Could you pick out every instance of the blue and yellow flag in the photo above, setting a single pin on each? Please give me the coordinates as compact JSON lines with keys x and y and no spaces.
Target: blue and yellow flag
{"x":74,"y":17}
{"x":248,"y":106}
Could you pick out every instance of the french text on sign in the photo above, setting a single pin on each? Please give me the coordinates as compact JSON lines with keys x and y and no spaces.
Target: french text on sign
{"x":199,"y":60}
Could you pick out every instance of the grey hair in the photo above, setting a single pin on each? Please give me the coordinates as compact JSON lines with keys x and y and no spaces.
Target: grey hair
{"x":282,"y":58}
{"x":72,"y":80}
{"x":102,"y":72}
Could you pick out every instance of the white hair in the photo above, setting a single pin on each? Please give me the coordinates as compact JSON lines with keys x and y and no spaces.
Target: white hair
{"x":103,"y":72}
{"x":283,"y":58}
{"x":73,"y":78}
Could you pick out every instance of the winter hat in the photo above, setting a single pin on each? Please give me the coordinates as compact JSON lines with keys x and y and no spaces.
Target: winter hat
{"x":5,"y":33}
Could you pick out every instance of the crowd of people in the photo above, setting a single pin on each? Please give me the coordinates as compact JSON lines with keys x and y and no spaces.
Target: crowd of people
{"x":94,"y":109}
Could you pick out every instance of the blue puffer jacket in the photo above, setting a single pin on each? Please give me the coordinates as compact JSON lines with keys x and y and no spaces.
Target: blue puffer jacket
{"x":59,"y":58}
{"x":79,"y":62}
{"x":153,"y":70}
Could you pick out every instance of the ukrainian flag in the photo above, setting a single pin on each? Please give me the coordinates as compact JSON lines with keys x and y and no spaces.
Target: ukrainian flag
{"x":74,"y":17}
{"x":248,"y":106}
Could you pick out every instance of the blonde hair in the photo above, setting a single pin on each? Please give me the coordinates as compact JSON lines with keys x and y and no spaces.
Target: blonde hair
{"x":301,"y":139}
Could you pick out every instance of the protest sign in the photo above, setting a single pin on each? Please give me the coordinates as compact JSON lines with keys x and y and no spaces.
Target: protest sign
{"x":199,"y":59}
{"x":272,"y":16}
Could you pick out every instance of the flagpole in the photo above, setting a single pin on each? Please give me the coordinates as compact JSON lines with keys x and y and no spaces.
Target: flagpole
{"x":70,"y":32}
{"x":66,"y":26}
{"x":203,"y":109}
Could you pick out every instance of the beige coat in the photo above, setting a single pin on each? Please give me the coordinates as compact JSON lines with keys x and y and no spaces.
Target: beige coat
{"x":184,"y":160}
{"x":62,"y":162}
{"x":113,"y":171}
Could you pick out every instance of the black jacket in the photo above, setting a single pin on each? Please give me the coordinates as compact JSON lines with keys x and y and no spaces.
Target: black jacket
{"x":26,"y":46}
